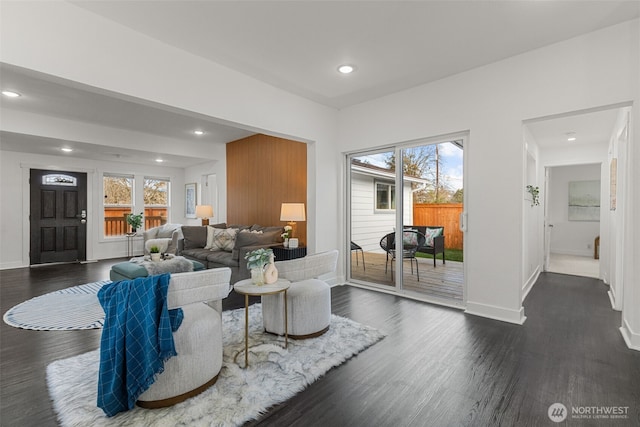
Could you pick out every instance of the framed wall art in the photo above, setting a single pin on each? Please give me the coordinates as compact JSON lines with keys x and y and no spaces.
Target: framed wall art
{"x":190,"y":200}
{"x":584,"y":201}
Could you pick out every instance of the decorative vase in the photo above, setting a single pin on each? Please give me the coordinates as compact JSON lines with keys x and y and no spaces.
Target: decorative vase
{"x":285,"y":243}
{"x":155,"y":256}
{"x":271,"y":272}
{"x":257,"y":276}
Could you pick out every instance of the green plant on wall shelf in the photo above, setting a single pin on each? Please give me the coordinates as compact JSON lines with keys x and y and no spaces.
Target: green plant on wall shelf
{"x":534,"y":191}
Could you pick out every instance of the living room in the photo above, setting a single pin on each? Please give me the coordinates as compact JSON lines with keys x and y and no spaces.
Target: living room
{"x":593,"y":69}
{"x":502,"y":98}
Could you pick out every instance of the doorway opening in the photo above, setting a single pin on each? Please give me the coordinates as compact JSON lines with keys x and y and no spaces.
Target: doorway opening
{"x":404,"y":211}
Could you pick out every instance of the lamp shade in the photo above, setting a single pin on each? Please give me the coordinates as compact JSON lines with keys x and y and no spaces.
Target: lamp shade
{"x":204,"y":211}
{"x":292,"y":212}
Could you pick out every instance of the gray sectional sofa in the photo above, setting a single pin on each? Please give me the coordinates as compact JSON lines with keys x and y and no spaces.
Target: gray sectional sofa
{"x":246,"y":238}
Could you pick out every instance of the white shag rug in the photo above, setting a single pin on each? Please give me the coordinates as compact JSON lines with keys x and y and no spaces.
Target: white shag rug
{"x":68,"y":309}
{"x":274,"y":375}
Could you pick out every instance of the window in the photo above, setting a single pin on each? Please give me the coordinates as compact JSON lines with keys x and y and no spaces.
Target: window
{"x":118,"y":203}
{"x":156,"y":201}
{"x":385,"y":196}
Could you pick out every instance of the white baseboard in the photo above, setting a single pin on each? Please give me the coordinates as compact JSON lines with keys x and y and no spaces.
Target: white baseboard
{"x":585,"y":253}
{"x":612,"y":300}
{"x":529,"y":284}
{"x":13,"y":264}
{"x":631,"y":338}
{"x":496,"y":313}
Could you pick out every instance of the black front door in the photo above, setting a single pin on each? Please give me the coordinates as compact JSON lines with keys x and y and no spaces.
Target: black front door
{"x":58,"y":216}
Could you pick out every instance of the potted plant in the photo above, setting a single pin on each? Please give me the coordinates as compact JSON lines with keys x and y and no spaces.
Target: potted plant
{"x":135,"y":221}
{"x":535,"y":192}
{"x":256,"y":261}
{"x":155,"y":253}
{"x":286,"y":235}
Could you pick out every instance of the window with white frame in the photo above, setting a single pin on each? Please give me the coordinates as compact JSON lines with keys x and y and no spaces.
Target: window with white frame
{"x":156,"y":201}
{"x":118,"y":203}
{"x":385,"y":196}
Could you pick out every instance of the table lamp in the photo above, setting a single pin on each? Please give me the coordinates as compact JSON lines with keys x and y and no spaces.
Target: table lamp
{"x":204,"y":212}
{"x":292,"y":212}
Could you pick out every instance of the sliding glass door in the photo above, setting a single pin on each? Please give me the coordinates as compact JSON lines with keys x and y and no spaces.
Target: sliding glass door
{"x":405,"y":204}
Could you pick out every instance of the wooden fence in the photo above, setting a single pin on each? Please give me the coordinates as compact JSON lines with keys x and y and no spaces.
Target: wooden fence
{"x":115,"y":222}
{"x":446,"y":215}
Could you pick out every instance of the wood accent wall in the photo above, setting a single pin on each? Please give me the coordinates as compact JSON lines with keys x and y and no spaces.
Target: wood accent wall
{"x":262,"y":173}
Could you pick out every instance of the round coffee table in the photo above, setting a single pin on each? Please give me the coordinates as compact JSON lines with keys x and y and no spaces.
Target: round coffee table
{"x":247,"y":288}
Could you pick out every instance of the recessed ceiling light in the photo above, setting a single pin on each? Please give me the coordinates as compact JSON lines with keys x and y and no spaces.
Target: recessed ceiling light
{"x":66,"y":149}
{"x":198,"y":132}
{"x":10,"y":93}
{"x":159,"y":160}
{"x":346,"y":69}
{"x":571,"y":136}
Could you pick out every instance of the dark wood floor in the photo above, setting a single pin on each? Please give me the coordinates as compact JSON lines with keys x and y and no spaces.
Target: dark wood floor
{"x":436,"y":367}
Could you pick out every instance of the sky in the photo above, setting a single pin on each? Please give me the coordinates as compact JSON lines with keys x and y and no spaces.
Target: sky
{"x":450,"y":155}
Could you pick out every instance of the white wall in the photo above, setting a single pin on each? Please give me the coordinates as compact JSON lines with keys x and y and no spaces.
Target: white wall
{"x":570,"y":237}
{"x":491,"y":102}
{"x":14,"y":202}
{"x":533,"y":215}
{"x":62,"y":40}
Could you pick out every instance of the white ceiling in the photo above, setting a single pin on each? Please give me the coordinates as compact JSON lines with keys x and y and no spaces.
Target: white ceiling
{"x":297,"y":46}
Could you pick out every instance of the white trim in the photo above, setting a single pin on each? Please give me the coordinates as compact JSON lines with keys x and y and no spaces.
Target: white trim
{"x":632,"y":339}
{"x":529,"y":283}
{"x":612,"y":299}
{"x":496,"y":313}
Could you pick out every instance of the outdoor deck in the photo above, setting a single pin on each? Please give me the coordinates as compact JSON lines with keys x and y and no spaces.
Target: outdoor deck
{"x":445,"y":281}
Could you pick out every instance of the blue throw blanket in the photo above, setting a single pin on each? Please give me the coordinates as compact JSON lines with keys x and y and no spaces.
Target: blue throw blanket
{"x":136,"y":339}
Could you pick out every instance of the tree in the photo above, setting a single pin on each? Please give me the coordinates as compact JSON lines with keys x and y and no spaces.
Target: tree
{"x":425,"y":163}
{"x":117,"y":190}
{"x":155,"y":192}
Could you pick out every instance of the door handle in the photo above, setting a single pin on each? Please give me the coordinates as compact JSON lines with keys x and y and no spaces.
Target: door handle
{"x":463,"y":221}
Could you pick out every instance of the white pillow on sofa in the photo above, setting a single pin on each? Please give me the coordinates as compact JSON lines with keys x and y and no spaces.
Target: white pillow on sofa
{"x":219,"y":239}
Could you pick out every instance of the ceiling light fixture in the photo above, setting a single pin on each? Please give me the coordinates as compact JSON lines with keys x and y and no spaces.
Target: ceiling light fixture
{"x":159,"y":160}
{"x":66,"y":149}
{"x":10,"y":94}
{"x":571,"y":136}
{"x":346,"y":69}
{"x":198,"y":132}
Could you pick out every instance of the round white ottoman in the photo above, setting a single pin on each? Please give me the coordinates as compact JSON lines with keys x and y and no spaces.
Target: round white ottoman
{"x":308,"y":310}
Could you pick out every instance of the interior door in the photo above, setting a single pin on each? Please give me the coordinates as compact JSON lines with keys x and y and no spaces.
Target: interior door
{"x":58,"y":216}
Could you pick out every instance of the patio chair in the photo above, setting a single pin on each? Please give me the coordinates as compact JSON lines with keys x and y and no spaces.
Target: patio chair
{"x":356,"y":247}
{"x":411,"y":240}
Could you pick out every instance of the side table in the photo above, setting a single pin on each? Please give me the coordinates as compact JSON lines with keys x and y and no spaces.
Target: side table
{"x":130,"y":242}
{"x":247,"y":288}
{"x":285,"y":254}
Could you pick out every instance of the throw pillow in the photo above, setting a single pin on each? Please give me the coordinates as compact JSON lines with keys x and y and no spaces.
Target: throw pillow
{"x":410,"y":238}
{"x":223,"y":240}
{"x":209,"y":243}
{"x":430,"y":234}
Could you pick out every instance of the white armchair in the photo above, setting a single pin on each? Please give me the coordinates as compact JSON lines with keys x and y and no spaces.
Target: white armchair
{"x":168,"y":238}
{"x":198,"y":340}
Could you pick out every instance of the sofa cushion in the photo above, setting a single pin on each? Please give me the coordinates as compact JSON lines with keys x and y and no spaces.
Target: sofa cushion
{"x":197,"y":253}
{"x":195,"y":237}
{"x":255,"y":239}
{"x":222,"y":258}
